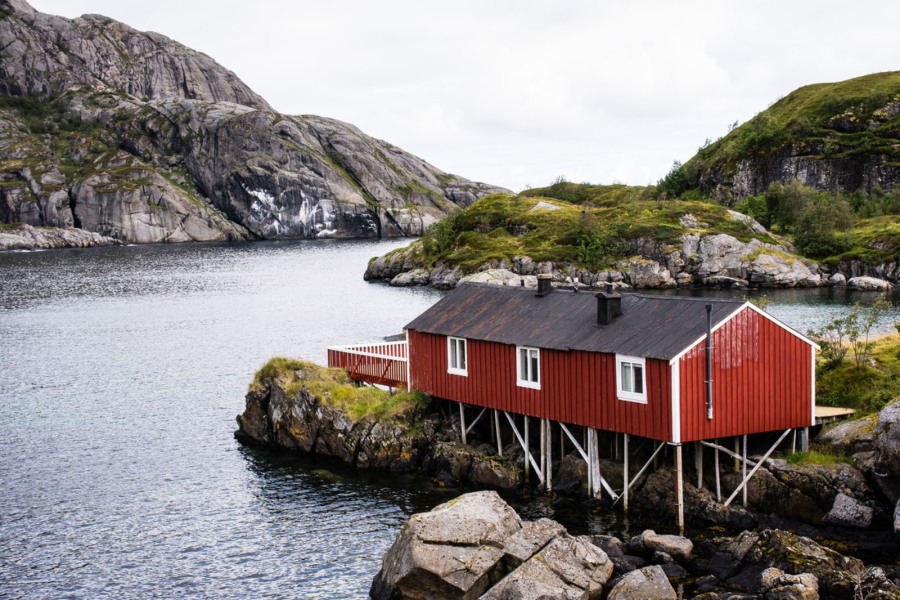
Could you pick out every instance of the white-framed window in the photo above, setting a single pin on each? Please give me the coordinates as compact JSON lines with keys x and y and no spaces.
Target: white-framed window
{"x":456,"y":356}
{"x":631,"y":381}
{"x":528,"y":367}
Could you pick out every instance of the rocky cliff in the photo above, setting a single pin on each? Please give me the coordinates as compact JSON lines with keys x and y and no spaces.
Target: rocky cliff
{"x":136,"y":137}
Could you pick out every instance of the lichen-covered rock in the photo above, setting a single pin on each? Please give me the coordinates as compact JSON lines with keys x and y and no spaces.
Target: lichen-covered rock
{"x":887,"y":451}
{"x":775,"y":584}
{"x":847,"y":512}
{"x":649,"y":583}
{"x":851,"y":437}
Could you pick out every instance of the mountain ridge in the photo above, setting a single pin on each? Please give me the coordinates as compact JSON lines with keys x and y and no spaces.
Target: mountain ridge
{"x":139,"y":138}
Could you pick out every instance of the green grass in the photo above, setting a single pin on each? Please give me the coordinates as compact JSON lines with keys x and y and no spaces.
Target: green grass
{"x":872,"y":241}
{"x":869,"y":387}
{"x":814,"y":457}
{"x":592,"y":234}
{"x":825,"y":120}
{"x":334,"y":388}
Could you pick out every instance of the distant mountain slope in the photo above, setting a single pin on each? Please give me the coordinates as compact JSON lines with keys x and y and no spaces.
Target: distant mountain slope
{"x":841,"y":136}
{"x":135,"y":136}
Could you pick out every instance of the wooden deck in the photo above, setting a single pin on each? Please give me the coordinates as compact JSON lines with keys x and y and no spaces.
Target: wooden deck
{"x":829,"y":414}
{"x":379,"y":363}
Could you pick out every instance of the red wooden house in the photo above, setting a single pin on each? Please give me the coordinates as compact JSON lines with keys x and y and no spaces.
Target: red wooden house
{"x":633,"y":364}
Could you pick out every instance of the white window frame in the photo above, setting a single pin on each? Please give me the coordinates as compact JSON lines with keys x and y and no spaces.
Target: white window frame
{"x":526,"y":379}
{"x":455,"y":369}
{"x":620,"y":391}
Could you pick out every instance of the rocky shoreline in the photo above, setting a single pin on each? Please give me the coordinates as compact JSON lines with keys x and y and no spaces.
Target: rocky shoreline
{"x":476,"y":546}
{"x":26,"y":237}
{"x":714,"y":261}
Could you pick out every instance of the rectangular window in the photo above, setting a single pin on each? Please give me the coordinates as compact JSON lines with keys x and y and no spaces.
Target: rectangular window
{"x":528,"y":371}
{"x":630,"y":381}
{"x":456,"y":356}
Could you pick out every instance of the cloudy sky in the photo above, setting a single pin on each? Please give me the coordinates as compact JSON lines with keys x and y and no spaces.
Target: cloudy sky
{"x":518,"y":93}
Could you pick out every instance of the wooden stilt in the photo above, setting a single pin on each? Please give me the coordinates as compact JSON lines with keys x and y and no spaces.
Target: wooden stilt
{"x":497,"y":430}
{"x":743,"y":485}
{"x":596,"y":477}
{"x":616,"y":454}
{"x":562,"y":445}
{"x":525,"y":447}
{"x":625,"y":475}
{"x":718,"y":483}
{"x":462,"y":422}
{"x":794,"y":442}
{"x":698,"y":464}
{"x":549,"y":472}
{"x":590,"y":462}
{"x":587,"y":459}
{"x":543,"y":428}
{"x":744,"y":472}
{"x":679,"y":488}
{"x":737,"y":454}
{"x":527,"y":450}
{"x":804,"y":440}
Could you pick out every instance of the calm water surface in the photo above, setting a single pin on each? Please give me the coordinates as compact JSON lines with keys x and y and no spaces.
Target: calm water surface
{"x":121,"y":372}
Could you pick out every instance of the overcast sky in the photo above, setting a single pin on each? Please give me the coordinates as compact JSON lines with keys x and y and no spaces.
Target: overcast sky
{"x":517,"y":93}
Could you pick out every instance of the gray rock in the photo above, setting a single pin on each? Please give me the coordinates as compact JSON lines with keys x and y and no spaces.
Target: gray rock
{"x":887,"y":451}
{"x":869,"y":284}
{"x":847,"y":512}
{"x":26,"y":237}
{"x":676,"y":546}
{"x":649,"y":583}
{"x":448,"y":552}
{"x":851,"y":437}
{"x":533,"y":536}
{"x":837,"y":280}
{"x":775,"y":584}
{"x":897,"y":517}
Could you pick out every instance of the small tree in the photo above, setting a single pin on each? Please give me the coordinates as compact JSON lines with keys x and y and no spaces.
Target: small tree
{"x":867,"y":317}
{"x":835,"y":338}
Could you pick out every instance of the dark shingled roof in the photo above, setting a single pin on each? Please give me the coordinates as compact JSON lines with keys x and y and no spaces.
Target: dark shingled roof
{"x":650,"y":326}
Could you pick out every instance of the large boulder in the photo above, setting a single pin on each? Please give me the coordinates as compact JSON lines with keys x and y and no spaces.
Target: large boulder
{"x":850,"y":437}
{"x":887,"y":451}
{"x":676,"y":546}
{"x":869,"y":284}
{"x":649,"y":583}
{"x":477,"y":546}
{"x":775,"y":584}
{"x":847,"y":512}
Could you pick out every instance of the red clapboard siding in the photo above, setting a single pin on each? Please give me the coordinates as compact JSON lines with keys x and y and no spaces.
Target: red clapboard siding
{"x":762,"y":380}
{"x":576,"y":387}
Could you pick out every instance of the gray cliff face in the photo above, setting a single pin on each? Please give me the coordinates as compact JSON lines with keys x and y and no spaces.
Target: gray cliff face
{"x":136,"y":137}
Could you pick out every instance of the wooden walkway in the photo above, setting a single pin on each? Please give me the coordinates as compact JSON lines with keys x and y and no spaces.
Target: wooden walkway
{"x":829,"y":414}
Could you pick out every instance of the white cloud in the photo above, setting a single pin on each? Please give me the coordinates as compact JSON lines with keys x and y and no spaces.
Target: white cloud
{"x":517,"y":93}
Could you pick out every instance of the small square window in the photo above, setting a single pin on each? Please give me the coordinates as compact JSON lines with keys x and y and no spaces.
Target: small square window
{"x":630,"y":379}
{"x":456,"y":356}
{"x":528,"y":367}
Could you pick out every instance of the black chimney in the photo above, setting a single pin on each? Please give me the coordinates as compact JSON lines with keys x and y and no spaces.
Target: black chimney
{"x":609,"y":306}
{"x":544,"y":285}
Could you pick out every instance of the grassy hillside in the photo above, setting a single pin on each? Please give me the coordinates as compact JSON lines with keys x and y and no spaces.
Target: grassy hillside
{"x":592,"y":232}
{"x":825,"y":120}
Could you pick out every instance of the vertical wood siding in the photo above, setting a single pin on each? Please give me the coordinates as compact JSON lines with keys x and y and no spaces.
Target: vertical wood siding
{"x":762,"y":378}
{"x":576,"y":387}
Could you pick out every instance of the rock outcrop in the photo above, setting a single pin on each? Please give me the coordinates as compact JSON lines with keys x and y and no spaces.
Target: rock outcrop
{"x":476,"y":546}
{"x":718,"y":260}
{"x":133,"y":136}
{"x":26,"y":237}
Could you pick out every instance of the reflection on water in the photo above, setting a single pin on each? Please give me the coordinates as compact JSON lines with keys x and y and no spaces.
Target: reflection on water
{"x":121,"y":371}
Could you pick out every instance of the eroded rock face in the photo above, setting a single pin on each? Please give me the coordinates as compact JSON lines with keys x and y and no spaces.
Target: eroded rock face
{"x":148,"y":141}
{"x":26,"y":237}
{"x":887,"y":451}
{"x":476,"y":546}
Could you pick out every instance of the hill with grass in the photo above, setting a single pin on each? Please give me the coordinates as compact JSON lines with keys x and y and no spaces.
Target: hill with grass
{"x":134,"y":136}
{"x":837,"y":137}
{"x":626,"y":236}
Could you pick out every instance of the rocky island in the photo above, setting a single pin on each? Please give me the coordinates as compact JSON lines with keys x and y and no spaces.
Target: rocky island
{"x":299,"y":406}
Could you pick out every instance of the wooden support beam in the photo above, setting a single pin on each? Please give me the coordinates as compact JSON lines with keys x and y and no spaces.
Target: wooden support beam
{"x":524,"y":444}
{"x":462,"y":421}
{"x":497,"y":431}
{"x":794,"y":442}
{"x":595,"y":467}
{"x":744,"y":472}
{"x":527,"y":448}
{"x":549,"y":472}
{"x":698,"y":464}
{"x":736,"y":456}
{"x":804,"y":440}
{"x":743,"y":485}
{"x":543,"y":469}
{"x":626,"y":485}
{"x":718,"y":482}
{"x":679,"y":488}
{"x":651,"y":460}
{"x":477,"y":419}
{"x":587,"y":459}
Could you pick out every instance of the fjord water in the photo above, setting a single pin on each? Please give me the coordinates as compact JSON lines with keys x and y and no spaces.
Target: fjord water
{"x":121,"y":372}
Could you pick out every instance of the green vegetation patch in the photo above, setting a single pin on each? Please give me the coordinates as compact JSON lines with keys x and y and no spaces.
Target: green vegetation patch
{"x":593,"y":233}
{"x":335,"y":388}
{"x":869,"y":385}
{"x":815,"y":457}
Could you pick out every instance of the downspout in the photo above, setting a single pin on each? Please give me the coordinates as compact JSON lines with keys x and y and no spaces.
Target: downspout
{"x":709,"y":397}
